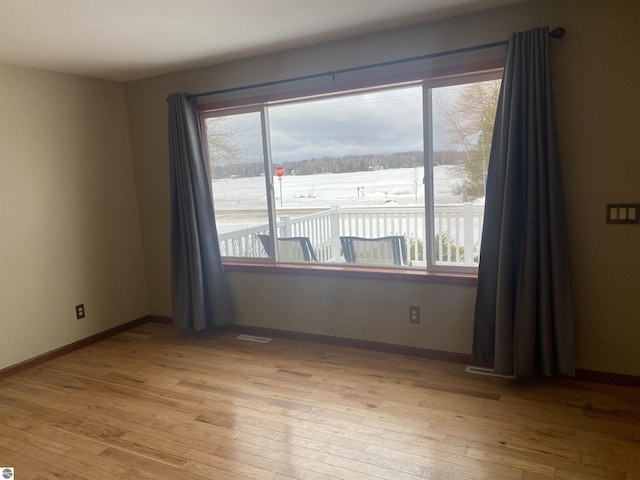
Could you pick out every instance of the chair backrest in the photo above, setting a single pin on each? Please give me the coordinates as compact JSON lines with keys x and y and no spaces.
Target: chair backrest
{"x":291,"y":249}
{"x":391,"y":250}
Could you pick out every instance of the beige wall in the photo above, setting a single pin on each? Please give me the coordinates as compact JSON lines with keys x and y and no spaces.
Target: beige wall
{"x":595,"y":72}
{"x":372,"y":310}
{"x":69,"y":229}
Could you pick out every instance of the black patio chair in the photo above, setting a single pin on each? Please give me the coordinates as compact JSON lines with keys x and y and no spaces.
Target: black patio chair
{"x":391,"y":250}
{"x":291,"y":249}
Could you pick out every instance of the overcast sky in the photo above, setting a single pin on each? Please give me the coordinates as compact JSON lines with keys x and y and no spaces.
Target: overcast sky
{"x":370,"y":123}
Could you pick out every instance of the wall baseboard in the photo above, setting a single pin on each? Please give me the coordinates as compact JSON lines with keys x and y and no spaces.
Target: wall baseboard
{"x":451,"y":357}
{"x":354,"y":343}
{"x":45,"y":357}
{"x":159,"y":319}
{"x":619,"y":379}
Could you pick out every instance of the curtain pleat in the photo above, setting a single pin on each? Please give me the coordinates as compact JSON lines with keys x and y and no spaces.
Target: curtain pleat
{"x":199,"y":290}
{"x":523,"y":314}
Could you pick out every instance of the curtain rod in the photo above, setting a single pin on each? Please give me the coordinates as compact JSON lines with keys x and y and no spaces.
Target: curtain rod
{"x":555,"y":33}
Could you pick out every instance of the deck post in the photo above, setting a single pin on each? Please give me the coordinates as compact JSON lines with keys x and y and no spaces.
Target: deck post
{"x":285,"y":228}
{"x":468,"y":233}
{"x":335,"y":232}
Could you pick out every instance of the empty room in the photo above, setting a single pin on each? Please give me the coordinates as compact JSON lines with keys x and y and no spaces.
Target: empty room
{"x":355,"y":239}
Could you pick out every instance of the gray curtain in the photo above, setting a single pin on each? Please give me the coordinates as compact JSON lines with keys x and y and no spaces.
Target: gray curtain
{"x":523,"y":314}
{"x":198,"y":288}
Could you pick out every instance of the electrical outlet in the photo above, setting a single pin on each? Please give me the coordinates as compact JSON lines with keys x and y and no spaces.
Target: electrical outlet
{"x":80,"y":311}
{"x":414,"y":314}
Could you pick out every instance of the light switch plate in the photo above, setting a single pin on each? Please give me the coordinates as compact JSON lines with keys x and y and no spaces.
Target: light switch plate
{"x":623,"y":213}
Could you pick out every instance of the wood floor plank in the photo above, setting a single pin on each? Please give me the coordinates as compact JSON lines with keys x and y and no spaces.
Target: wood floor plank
{"x":154,"y":403}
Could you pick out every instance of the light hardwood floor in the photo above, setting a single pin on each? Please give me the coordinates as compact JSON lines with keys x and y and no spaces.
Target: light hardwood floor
{"x":153,"y":403}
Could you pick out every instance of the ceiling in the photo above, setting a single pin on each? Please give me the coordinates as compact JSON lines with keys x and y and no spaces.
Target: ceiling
{"x":132,"y":39}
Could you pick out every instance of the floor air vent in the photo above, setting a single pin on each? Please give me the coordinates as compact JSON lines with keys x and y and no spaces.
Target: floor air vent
{"x":251,"y":338}
{"x":487,"y":371}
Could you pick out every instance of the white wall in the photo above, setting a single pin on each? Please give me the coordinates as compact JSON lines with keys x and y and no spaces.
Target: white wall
{"x":69,"y":228}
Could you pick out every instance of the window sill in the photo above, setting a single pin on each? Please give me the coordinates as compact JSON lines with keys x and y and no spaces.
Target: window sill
{"x":367,"y":273}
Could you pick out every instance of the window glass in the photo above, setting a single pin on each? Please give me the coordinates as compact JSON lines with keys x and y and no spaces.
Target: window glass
{"x":236,"y":164}
{"x":462,"y":127}
{"x":352,"y":165}
{"x":342,"y":179}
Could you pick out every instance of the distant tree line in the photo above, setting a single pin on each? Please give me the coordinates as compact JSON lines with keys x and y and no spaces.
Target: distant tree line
{"x":351,"y":163}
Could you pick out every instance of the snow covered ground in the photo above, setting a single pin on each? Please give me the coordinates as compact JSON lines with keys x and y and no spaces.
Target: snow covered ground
{"x":241,"y":202}
{"x":372,"y":188}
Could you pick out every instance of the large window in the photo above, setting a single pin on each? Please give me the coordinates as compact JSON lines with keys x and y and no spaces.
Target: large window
{"x":392,"y":176}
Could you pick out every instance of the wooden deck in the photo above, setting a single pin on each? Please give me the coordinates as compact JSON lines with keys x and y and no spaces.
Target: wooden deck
{"x":153,"y":403}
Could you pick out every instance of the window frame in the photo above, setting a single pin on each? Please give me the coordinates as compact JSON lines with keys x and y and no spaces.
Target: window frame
{"x":460,"y":274}
{"x":427,"y":86}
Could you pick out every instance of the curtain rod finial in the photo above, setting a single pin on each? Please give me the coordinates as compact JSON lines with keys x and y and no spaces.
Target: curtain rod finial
{"x":558,"y":32}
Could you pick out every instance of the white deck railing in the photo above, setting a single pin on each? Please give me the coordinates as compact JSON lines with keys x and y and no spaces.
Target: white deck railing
{"x":457,"y":231}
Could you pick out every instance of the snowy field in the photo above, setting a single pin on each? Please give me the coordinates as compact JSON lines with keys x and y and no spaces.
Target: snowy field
{"x":378,"y":187}
{"x":241,"y":202}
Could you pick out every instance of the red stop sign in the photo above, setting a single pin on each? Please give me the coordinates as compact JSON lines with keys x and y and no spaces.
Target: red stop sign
{"x":280,"y":171}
